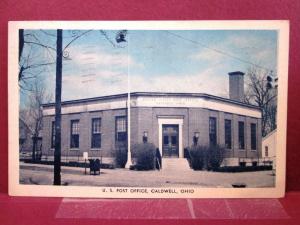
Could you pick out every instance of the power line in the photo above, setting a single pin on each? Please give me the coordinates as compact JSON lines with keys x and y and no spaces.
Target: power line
{"x":54,"y":35}
{"x":218,"y":51}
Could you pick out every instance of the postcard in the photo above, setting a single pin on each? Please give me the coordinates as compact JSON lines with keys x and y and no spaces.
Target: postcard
{"x":148,"y":109}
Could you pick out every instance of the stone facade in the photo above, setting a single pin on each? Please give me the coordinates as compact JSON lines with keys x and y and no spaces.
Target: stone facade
{"x":197,"y":120}
{"x":147,"y":109}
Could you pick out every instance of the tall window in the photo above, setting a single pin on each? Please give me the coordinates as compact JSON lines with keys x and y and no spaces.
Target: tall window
{"x":121,"y":128}
{"x":212,"y":131}
{"x":96,"y":133}
{"x":74,"y":143}
{"x":253,"y":136}
{"x":241,"y":135}
{"x":228,"y":134}
{"x":53,"y":134}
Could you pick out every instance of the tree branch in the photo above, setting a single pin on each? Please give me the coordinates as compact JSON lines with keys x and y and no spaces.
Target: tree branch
{"x":39,"y":44}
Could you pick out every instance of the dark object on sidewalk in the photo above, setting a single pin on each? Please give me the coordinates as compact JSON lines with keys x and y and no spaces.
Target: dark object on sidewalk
{"x":239,"y":185}
{"x":94,"y":166}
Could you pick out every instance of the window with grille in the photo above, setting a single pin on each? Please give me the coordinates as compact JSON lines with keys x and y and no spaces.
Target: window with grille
{"x":266,"y":151}
{"x":212,"y":131}
{"x":241,"y":135}
{"x":74,"y":143}
{"x":228,"y":134}
{"x":253,"y":136}
{"x":121,"y":128}
{"x":96,"y":133}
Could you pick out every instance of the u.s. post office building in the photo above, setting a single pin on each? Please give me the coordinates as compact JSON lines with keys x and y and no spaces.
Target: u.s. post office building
{"x":170,"y":121}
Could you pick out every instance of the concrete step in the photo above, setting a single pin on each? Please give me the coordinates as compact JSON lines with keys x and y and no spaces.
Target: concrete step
{"x":175,"y":164}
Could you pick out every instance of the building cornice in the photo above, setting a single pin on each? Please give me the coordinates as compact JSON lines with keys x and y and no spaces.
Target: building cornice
{"x":152,"y":94}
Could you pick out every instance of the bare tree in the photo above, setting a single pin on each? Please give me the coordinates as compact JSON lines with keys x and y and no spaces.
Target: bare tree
{"x":37,"y":50}
{"x":32,"y":57}
{"x":261,"y":92}
{"x":32,"y":114}
{"x":29,"y":65}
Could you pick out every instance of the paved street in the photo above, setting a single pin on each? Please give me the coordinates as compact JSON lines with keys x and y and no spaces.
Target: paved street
{"x":43,"y":175}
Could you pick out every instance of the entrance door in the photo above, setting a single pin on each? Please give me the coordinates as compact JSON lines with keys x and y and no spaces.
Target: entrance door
{"x":170,"y":134}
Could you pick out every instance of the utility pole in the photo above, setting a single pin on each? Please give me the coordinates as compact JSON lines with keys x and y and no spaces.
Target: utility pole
{"x":21,"y":42}
{"x":57,"y":152}
{"x":129,"y":160}
{"x":59,"y":56}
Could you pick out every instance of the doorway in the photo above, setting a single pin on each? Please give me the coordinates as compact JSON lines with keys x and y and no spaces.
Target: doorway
{"x":170,"y":138}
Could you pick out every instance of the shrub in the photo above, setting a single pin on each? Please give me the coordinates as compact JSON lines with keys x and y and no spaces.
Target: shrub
{"x":198,"y":157}
{"x":242,"y":164}
{"x":145,"y":156}
{"x":215,"y":156}
{"x":121,"y":155}
{"x":204,"y":157}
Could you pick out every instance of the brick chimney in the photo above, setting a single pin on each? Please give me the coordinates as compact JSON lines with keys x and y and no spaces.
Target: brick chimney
{"x":236,"y":86}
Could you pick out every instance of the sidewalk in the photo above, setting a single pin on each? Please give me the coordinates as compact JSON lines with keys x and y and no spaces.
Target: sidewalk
{"x":43,"y":175}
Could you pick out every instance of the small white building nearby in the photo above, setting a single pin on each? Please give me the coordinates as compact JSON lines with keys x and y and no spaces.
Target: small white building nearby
{"x":269,"y":143}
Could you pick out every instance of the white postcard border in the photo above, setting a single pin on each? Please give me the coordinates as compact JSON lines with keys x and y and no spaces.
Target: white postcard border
{"x":17,"y":189}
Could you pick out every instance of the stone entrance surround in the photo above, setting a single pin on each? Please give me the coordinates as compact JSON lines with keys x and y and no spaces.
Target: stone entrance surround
{"x":170,"y":121}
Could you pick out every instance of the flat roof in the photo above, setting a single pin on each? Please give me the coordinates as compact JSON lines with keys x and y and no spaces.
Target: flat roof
{"x":153,"y":94}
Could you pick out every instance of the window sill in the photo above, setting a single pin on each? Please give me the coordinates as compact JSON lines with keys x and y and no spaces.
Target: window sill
{"x":74,"y":149}
{"x":242,"y":150}
{"x":95,"y":149}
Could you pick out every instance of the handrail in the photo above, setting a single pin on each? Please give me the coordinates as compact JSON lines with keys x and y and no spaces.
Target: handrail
{"x":159,"y":166}
{"x":189,"y":156}
{"x":158,"y":159}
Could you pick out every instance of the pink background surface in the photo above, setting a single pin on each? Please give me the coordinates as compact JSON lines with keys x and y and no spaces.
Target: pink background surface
{"x":160,"y":10}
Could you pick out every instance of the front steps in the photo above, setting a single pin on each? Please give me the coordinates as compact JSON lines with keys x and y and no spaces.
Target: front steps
{"x":175,"y":164}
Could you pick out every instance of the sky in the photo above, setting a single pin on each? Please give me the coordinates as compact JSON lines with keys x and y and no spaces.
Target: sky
{"x":195,"y":61}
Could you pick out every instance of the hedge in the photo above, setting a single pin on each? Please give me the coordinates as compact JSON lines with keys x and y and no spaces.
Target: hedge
{"x":144,"y":154}
{"x":205,"y":158}
{"x":121,"y":154}
{"x":237,"y":169}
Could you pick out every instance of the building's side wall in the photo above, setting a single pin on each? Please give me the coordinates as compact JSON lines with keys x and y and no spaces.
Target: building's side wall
{"x":46,"y":134}
{"x":270,"y":142}
{"x":107,"y":149}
